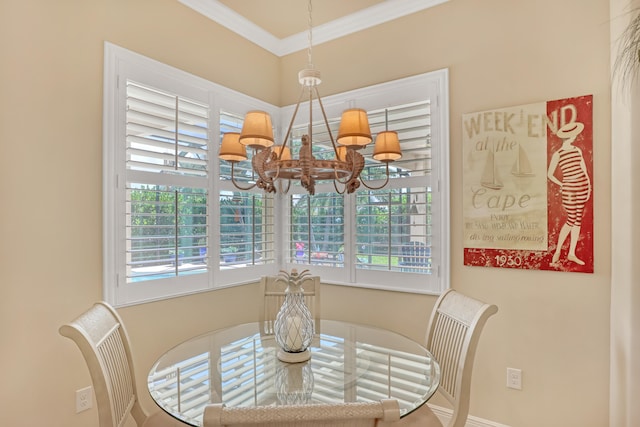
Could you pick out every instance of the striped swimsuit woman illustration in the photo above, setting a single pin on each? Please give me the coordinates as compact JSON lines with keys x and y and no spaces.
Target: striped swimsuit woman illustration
{"x":575,"y":184}
{"x":575,"y":188}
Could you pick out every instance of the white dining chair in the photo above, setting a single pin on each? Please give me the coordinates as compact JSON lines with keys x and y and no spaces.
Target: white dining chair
{"x":452,"y":337}
{"x":101,"y":337}
{"x":274,"y":293}
{"x":353,"y":414}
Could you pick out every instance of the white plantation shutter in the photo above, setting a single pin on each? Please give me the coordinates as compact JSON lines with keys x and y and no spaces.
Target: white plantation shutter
{"x":394,"y":223}
{"x":167,"y":231}
{"x":166,"y":184}
{"x":165,"y":133}
{"x":413,"y":124}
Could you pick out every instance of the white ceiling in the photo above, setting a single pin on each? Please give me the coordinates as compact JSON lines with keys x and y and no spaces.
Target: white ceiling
{"x":281,"y":26}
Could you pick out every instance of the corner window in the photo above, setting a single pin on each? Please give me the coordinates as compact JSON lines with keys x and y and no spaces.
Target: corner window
{"x":396,"y":237}
{"x":175,"y":224}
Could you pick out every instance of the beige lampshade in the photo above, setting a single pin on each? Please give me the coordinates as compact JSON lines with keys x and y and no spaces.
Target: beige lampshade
{"x":342,"y":153}
{"x":230,"y":149}
{"x":286,"y":154}
{"x":387,"y":147}
{"x":257,"y":130}
{"x":354,"y":128}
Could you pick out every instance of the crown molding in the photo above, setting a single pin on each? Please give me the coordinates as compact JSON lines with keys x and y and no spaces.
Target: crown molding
{"x":358,"y":21}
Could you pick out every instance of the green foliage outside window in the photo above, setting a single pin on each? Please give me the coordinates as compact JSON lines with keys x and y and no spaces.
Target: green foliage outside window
{"x":167,"y":225}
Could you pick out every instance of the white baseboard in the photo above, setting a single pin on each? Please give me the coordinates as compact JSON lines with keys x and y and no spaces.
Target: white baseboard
{"x":444,"y":415}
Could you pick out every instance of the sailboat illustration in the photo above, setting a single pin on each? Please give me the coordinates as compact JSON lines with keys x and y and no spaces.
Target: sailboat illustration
{"x":522,"y":166}
{"x":490,"y":177}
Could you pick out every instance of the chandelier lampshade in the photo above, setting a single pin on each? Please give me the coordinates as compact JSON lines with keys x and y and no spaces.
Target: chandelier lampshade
{"x":257,"y":130}
{"x":354,"y":128}
{"x":387,"y":147}
{"x":230,"y":148}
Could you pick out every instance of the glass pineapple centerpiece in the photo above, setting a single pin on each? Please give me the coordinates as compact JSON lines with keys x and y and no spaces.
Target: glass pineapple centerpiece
{"x":294,"y":327}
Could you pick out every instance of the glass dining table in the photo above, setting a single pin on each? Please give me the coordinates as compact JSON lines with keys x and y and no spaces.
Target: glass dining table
{"x":238,"y":366}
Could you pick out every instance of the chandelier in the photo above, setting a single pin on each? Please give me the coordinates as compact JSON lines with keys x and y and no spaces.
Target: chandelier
{"x":273,"y":163}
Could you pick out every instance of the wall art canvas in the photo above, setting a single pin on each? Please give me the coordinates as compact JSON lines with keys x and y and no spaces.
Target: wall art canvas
{"x":528,"y":186}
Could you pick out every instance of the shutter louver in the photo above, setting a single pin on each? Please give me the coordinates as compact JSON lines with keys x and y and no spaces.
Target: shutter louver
{"x":165,"y":133}
{"x":413,"y":124}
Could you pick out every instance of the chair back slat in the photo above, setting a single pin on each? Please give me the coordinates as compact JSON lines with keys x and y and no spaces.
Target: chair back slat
{"x":446,"y":347}
{"x":117,"y":372}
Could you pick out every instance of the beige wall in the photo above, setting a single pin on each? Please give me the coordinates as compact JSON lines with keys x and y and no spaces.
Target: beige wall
{"x":553,"y":326}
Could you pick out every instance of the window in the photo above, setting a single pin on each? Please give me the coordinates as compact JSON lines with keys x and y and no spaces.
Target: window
{"x":175,"y":224}
{"x":392,"y":238}
{"x":166,"y":222}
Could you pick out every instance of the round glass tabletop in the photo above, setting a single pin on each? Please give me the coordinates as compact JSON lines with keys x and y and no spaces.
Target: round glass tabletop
{"x":239,"y":367}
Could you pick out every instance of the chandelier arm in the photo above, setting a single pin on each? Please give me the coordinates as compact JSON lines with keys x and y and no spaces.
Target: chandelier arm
{"x":376,"y":188}
{"x":337,"y":178}
{"x":336,"y":187}
{"x":235,"y":183}
{"x":293,"y":117}
{"x":326,"y":122}
{"x":288,"y":187}
{"x":277,"y":175}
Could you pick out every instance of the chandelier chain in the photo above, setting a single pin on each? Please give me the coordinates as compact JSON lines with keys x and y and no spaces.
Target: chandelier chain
{"x":310,"y":36}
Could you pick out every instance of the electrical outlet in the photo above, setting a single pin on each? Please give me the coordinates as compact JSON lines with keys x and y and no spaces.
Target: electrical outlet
{"x":514,"y":378}
{"x":84,"y":399}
